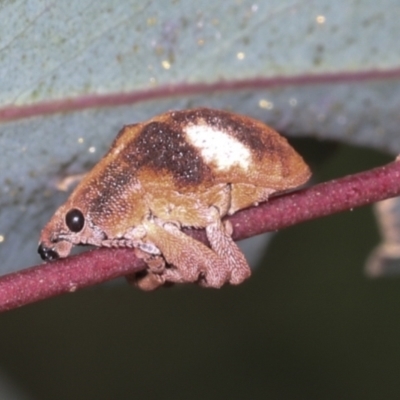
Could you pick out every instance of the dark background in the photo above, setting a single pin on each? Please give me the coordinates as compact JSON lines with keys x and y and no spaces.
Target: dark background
{"x":308,"y":325}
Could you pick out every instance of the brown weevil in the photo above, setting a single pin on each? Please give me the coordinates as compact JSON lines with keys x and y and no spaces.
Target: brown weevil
{"x":180,"y":169}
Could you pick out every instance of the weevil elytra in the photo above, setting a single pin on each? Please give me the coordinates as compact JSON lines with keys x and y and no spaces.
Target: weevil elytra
{"x":180,"y":169}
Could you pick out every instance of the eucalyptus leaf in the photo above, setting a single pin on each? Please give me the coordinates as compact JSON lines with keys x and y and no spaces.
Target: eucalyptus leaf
{"x":312,"y":68}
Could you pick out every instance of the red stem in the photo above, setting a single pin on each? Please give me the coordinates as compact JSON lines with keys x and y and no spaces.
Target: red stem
{"x":53,"y":106}
{"x":96,"y":266}
{"x":318,"y":201}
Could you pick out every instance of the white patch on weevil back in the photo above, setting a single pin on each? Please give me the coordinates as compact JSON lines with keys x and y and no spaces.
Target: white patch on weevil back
{"x":218,"y":146}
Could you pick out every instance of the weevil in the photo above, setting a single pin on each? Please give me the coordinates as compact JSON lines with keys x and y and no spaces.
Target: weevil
{"x":180,"y":169}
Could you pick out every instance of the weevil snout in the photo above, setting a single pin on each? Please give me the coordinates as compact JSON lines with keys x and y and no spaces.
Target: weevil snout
{"x":61,"y":233}
{"x":47,"y":253}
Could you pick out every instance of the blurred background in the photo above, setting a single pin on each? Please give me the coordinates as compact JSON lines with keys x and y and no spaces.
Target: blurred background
{"x":309,"y":324}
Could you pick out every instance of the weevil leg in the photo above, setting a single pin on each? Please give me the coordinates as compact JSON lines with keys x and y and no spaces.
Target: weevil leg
{"x":191,"y":260}
{"x":146,"y":281}
{"x":151,"y":278}
{"x":219,"y":236}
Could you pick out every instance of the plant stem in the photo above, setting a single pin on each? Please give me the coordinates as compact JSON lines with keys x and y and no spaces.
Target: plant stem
{"x":100,"y":265}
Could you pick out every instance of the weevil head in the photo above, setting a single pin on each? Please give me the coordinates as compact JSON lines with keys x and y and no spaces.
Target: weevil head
{"x":98,"y":212}
{"x":69,"y":226}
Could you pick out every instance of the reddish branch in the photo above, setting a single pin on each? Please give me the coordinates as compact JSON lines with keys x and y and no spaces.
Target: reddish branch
{"x":67,"y":275}
{"x":14,"y":112}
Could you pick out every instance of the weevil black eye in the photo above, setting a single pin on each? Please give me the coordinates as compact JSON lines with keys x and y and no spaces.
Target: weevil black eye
{"x":75,"y":220}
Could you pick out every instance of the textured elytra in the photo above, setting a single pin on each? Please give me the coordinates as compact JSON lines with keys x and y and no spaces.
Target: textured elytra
{"x":180,"y":169}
